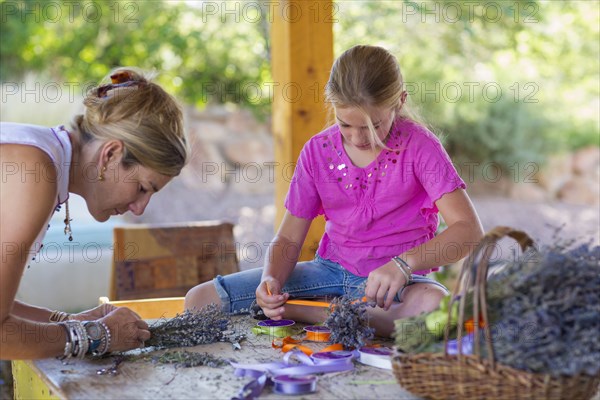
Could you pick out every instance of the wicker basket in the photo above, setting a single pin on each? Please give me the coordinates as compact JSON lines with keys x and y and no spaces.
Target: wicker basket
{"x":444,"y":376}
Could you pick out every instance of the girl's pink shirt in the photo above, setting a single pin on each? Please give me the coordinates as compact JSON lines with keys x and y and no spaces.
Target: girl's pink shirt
{"x":377,"y":212}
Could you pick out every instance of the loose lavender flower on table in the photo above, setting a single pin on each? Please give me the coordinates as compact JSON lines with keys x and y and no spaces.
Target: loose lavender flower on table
{"x":188,"y":359}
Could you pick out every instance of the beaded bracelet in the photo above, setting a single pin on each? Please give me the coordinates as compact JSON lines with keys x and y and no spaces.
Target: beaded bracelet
{"x":103,"y":350}
{"x":404,"y":268}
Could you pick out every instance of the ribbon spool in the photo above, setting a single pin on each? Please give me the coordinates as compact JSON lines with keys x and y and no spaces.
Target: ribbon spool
{"x":280,"y":328}
{"x":287,"y":376}
{"x":287,"y":384}
{"x":317,"y":333}
{"x":376,"y":357}
{"x":326,"y":357}
{"x":288,"y":344}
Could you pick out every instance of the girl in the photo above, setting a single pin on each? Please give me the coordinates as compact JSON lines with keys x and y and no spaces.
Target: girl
{"x":127,"y":146}
{"x":379,"y":178}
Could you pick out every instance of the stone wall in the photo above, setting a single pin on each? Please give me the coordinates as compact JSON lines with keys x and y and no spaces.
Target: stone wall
{"x":571,"y":178}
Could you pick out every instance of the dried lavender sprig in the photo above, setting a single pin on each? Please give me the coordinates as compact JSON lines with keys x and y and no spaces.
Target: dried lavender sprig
{"x":191,"y":328}
{"x":349,"y":323}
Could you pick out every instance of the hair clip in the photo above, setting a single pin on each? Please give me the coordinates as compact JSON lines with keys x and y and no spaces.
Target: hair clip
{"x":120,"y":79}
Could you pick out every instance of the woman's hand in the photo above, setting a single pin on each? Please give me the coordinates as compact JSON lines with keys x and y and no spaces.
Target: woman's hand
{"x":94,"y":313}
{"x":384,"y":283}
{"x":127,"y":330}
{"x":270,"y":298}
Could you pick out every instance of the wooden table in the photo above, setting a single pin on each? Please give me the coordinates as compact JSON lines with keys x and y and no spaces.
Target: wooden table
{"x":142,"y":378}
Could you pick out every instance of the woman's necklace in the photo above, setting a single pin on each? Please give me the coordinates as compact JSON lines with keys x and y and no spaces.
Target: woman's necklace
{"x":68,"y":221}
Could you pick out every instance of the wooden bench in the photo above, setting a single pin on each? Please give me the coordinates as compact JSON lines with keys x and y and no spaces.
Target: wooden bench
{"x":157,"y":261}
{"x":166,"y":307}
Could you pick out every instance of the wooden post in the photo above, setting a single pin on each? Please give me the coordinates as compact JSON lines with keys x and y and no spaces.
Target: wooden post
{"x":302,"y":54}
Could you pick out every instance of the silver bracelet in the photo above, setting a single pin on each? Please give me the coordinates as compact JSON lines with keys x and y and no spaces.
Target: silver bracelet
{"x":85,"y":341}
{"x":80,"y":339}
{"x":68,"y":344}
{"x":404,"y":268}
{"x":77,"y":340}
{"x":400,"y":260}
{"x":403,"y":265}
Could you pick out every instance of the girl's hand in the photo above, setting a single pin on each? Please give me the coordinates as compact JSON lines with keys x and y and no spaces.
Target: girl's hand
{"x":270,"y":298}
{"x":127,"y":330}
{"x":94,"y":313}
{"x":384,"y":283}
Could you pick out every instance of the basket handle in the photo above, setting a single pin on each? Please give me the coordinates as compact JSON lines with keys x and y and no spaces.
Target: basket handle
{"x":466,"y":280}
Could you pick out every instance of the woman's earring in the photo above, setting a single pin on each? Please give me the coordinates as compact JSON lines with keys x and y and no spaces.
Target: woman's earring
{"x":101,"y":177}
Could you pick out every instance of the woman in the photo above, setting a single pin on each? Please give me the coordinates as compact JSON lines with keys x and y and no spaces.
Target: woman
{"x":128,"y":144}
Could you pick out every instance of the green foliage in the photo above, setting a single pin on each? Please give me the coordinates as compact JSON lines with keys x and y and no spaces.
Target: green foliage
{"x":200,"y":56}
{"x":504,"y":133}
{"x":542,"y":55}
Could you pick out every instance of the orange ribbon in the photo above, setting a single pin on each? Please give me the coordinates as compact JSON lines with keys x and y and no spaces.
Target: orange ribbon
{"x":310,"y":303}
{"x":318,"y":336}
{"x":470,"y":324}
{"x":313,"y":303}
{"x":288,"y":343}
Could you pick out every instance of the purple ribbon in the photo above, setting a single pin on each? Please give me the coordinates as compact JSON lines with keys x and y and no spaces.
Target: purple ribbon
{"x":254,"y":370}
{"x":252,"y":389}
{"x":286,"y":384}
{"x":467,"y":343}
{"x":265,"y":372}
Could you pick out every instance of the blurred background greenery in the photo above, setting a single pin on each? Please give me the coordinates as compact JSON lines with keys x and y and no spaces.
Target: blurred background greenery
{"x":502,"y":81}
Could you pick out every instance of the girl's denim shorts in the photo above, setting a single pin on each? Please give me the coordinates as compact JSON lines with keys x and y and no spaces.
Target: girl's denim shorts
{"x":316,"y":278}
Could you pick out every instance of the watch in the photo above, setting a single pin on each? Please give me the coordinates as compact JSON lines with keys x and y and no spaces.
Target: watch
{"x":96,"y":336}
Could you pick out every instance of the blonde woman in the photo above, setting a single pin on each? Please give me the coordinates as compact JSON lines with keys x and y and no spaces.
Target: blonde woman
{"x":379,"y":177}
{"x":127,"y":146}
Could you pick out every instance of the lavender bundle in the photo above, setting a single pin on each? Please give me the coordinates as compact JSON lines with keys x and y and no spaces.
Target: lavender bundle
{"x":191,"y":328}
{"x":349,"y":323}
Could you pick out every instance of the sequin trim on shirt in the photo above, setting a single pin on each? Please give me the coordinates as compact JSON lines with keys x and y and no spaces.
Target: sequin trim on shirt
{"x":373,"y":174}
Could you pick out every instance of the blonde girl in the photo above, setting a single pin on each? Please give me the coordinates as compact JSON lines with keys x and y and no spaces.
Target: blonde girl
{"x":380,"y":178}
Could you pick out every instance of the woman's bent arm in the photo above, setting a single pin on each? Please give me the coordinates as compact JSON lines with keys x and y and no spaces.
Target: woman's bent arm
{"x":27,"y":199}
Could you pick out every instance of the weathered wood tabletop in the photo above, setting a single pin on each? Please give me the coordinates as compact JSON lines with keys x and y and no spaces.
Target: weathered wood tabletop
{"x":139,"y":377}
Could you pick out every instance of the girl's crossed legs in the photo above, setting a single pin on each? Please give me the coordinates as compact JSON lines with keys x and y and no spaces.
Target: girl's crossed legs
{"x":317,"y":278}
